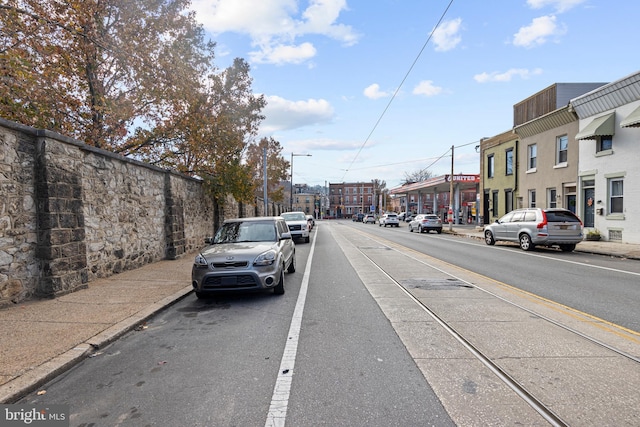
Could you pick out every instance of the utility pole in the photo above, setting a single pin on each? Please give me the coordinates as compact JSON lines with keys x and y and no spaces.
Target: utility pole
{"x":264,"y":181}
{"x":451,"y":193}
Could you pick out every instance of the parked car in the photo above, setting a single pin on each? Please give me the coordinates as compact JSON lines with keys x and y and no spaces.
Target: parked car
{"x":390,"y":219}
{"x":409,"y":217}
{"x":536,"y":226}
{"x":369,"y":219}
{"x":298,"y":225}
{"x":245,"y":254}
{"x":311,"y":221}
{"x":425,"y":223}
{"x":357,"y":217}
{"x":402,"y":215}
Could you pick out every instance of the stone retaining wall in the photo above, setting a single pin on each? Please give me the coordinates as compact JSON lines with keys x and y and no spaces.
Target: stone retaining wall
{"x":70,"y":213}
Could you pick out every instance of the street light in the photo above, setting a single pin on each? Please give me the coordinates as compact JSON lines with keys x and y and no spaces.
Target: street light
{"x":292,"y":156}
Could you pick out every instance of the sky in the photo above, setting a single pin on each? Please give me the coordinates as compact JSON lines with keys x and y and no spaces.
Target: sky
{"x":378,"y":89}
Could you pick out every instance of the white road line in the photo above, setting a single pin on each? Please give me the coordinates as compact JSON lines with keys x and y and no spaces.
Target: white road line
{"x":530,"y":254}
{"x":277,"y":415}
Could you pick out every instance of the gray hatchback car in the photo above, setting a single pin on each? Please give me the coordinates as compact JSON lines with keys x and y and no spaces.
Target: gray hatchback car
{"x":245,"y":254}
{"x":536,"y":226}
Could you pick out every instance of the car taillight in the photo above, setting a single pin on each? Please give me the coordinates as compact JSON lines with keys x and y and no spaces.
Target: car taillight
{"x":542,"y":224}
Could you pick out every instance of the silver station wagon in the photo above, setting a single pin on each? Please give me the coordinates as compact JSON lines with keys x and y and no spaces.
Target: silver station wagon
{"x":245,"y":254}
{"x":537,"y":226}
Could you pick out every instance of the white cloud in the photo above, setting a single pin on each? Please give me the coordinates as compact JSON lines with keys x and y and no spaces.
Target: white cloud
{"x":373,"y":92}
{"x":559,"y":5}
{"x":284,"y":54}
{"x":427,"y":88}
{"x":538,"y":32}
{"x":446,"y":36}
{"x":507,"y":76}
{"x":275,"y":25}
{"x":321,"y":144}
{"x":283,"y":114}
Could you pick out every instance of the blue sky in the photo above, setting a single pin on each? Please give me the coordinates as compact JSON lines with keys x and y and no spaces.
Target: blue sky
{"x":355,"y":83}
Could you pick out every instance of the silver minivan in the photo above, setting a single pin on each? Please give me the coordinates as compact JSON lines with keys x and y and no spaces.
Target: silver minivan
{"x":536,"y":226}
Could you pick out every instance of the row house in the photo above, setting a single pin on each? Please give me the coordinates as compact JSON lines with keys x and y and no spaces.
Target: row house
{"x":609,"y":150}
{"x":572,"y":146}
{"x":309,"y":203}
{"x":537,"y":165}
{"x":346,"y":199}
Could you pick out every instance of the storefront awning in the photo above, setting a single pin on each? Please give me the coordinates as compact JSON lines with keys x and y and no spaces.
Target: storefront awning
{"x":632,"y":120}
{"x":600,"y":126}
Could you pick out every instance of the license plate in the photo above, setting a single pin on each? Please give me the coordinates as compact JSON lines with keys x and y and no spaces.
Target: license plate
{"x":229,"y":281}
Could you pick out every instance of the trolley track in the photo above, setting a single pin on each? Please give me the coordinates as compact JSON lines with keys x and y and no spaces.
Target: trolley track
{"x":369,"y":248}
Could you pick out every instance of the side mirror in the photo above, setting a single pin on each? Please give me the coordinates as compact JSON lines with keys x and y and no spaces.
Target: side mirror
{"x":208,"y":240}
{"x":285,"y":236}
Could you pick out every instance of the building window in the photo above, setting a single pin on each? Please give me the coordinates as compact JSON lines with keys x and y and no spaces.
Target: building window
{"x":509,"y":162}
{"x":532,"y":198}
{"x":552,"y":197}
{"x":604,"y":143}
{"x":490,"y":166}
{"x":616,"y":195}
{"x":532,"y":156}
{"x":494,"y":203}
{"x":562,"y":143}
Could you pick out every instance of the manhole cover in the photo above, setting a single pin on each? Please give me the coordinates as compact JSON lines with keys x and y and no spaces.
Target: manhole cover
{"x":435,"y":284}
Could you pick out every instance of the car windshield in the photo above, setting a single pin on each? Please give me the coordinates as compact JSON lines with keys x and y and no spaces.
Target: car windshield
{"x":294,"y":216}
{"x":246,"y":231}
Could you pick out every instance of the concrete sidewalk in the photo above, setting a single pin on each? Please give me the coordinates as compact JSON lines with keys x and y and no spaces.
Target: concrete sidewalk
{"x":41,"y":339}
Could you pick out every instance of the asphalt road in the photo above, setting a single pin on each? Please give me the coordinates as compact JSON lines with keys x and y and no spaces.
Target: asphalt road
{"x":605,"y":287}
{"x":216,"y":362}
{"x":326,"y":352}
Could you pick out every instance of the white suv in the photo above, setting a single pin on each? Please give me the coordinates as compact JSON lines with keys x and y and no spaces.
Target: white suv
{"x":390,"y":219}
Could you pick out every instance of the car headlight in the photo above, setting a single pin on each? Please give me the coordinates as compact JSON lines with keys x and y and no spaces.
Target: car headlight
{"x":200,"y":261}
{"x":266,"y":258}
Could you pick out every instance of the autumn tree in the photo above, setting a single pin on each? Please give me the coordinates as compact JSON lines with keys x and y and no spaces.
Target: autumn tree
{"x":90,"y":69}
{"x":277,"y":167}
{"x":132,"y":76}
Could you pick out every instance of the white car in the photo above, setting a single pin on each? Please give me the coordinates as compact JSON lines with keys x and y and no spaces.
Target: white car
{"x":390,"y":219}
{"x":298,"y":225}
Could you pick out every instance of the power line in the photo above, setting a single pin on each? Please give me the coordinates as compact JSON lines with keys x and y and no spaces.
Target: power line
{"x":398,"y":88}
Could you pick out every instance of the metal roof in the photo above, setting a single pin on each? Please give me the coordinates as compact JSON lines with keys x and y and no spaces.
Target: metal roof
{"x":608,"y":97}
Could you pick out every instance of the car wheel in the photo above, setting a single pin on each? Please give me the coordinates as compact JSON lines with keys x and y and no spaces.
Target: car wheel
{"x":306,"y":239}
{"x":525,"y":242}
{"x":410,"y":229}
{"x":279,"y":288}
{"x":420,"y":229}
{"x":292,"y":266}
{"x":201,"y":295}
{"x":488,"y":238}
{"x":439,"y":231}
{"x":568,"y":247}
